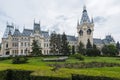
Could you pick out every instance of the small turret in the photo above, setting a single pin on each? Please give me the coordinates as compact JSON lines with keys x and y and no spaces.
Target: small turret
{"x":92,"y":21}
{"x":37,"y":28}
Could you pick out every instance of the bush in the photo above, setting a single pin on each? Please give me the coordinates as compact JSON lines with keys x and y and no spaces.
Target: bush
{"x":19,"y":60}
{"x":93,"y":52}
{"x":78,"y":56}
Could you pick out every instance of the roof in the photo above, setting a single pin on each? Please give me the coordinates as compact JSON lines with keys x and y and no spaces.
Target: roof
{"x":9,"y":28}
{"x":27,"y":32}
{"x":71,"y":38}
{"x":17,"y":33}
{"x":97,"y":41}
{"x":45,"y":34}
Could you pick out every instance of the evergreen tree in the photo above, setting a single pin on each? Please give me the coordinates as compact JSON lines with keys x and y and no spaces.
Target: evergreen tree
{"x":80,"y":48}
{"x":88,"y":46}
{"x":53,"y":43}
{"x":118,"y":45}
{"x":58,"y":43}
{"x":36,"y":50}
{"x":73,"y":49}
{"x":65,"y":49}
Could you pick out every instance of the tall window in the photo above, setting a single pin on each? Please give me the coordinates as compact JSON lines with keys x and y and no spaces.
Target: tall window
{"x":81,"y":33}
{"x":89,"y":31}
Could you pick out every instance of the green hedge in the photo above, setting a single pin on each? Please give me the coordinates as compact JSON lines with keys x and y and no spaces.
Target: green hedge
{"x":25,"y":75}
{"x":47,"y":78}
{"x":84,"y":77}
{"x":15,"y":75}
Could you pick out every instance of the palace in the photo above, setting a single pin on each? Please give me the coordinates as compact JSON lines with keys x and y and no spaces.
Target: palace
{"x":15,"y":42}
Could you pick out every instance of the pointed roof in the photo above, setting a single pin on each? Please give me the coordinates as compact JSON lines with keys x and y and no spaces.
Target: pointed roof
{"x":85,"y":17}
{"x":9,"y":29}
{"x":17,"y":32}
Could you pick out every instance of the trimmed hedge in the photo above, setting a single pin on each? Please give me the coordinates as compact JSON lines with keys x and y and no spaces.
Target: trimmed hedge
{"x":25,"y":75}
{"x":83,"y":77}
{"x":15,"y":75}
{"x":47,"y":78}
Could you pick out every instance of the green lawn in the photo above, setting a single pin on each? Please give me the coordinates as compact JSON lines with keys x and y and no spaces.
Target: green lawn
{"x":41,"y":68}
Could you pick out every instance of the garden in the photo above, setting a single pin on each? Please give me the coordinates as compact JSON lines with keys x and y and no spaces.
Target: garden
{"x":73,"y":68}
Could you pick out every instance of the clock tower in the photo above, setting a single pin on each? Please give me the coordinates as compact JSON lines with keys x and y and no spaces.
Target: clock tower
{"x":85,"y":28}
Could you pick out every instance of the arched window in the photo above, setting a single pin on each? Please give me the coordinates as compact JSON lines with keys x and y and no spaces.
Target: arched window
{"x":89,"y":31}
{"x":7,"y":45}
{"x":81,"y":33}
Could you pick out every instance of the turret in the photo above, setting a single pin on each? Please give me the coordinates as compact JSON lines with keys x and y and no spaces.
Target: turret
{"x":37,"y":29}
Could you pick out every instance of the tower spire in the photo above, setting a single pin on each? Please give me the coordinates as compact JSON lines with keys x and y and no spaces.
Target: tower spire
{"x":85,"y":17}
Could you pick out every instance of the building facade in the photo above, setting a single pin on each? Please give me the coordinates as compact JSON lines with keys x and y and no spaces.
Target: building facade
{"x":15,"y":42}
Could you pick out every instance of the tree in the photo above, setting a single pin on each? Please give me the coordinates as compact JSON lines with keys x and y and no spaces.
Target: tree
{"x":65,"y":49}
{"x":53,"y":43}
{"x":73,"y":49}
{"x":58,"y":43}
{"x":80,"y":48}
{"x":118,"y":45}
{"x":36,"y":50}
{"x":93,"y":51}
{"x":109,"y":50}
{"x":88,"y":46}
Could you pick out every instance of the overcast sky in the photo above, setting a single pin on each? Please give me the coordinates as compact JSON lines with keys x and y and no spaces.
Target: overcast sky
{"x":61,"y":15}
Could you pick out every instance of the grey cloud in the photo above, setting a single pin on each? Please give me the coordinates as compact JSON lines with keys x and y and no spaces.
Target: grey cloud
{"x":100,"y":20}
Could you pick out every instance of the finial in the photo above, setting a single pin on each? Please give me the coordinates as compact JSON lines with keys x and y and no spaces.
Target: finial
{"x":84,"y":7}
{"x":92,"y":21}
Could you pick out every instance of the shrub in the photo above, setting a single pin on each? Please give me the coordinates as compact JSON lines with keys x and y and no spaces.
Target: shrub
{"x":93,"y":52}
{"x":78,"y":56}
{"x":19,"y":60}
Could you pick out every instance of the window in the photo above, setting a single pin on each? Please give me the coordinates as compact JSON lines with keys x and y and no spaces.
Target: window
{"x":21,"y":43}
{"x":21,"y":51}
{"x":89,"y":31}
{"x":81,"y":33}
{"x":7,"y":45}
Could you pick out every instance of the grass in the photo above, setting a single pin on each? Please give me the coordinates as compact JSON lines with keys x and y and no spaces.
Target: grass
{"x":41,"y":68}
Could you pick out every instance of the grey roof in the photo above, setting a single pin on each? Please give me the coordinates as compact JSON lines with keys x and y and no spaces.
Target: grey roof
{"x":97,"y":41}
{"x":71,"y":38}
{"x":9,"y":28}
{"x":27,"y":32}
{"x":45,"y":34}
{"x":16,"y":32}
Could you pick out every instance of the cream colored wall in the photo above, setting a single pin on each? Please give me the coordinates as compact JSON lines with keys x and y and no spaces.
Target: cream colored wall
{"x":84,"y":39}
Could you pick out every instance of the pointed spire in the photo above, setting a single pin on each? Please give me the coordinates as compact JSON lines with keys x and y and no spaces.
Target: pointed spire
{"x":9,"y":33}
{"x":85,"y":17}
{"x":92,"y":21}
